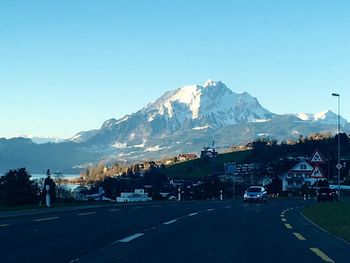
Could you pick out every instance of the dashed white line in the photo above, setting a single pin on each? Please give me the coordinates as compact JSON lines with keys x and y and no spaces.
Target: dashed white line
{"x":322,"y":255}
{"x":299,"y":236}
{"x":211,"y":209}
{"x":4,"y":225}
{"x":114,"y":210}
{"x":170,"y":222}
{"x":227,"y":207}
{"x":129,"y":238}
{"x":87,"y":214}
{"x":192,"y":214}
{"x":288,"y":226}
{"x":45,"y":219}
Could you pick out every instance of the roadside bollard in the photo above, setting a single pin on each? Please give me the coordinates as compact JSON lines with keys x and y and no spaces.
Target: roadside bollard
{"x":179,"y":195}
{"x":309,"y":197}
{"x":221,"y":197}
{"x":304,"y":197}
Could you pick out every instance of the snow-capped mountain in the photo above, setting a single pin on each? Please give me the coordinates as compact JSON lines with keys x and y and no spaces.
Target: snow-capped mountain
{"x":193,"y":107}
{"x":186,"y":119}
{"x":324,"y":117}
{"x":181,"y":121}
{"x":210,"y":104}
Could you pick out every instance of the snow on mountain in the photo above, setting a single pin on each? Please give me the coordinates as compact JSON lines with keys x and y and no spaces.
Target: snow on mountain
{"x":324,"y":117}
{"x":213,"y":101}
{"x":43,"y":139}
{"x":187,"y":118}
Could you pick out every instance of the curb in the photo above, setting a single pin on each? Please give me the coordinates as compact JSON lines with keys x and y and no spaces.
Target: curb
{"x":322,"y":229}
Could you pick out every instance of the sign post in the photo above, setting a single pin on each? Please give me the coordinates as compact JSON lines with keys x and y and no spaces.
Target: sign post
{"x":48,"y":201}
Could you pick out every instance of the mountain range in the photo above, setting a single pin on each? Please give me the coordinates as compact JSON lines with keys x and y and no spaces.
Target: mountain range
{"x":181,"y":121}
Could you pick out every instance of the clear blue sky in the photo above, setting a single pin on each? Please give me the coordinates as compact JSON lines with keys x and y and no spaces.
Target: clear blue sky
{"x":67,"y":66}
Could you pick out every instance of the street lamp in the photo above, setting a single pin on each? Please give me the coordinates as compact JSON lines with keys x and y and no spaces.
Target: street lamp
{"x":338,"y":165}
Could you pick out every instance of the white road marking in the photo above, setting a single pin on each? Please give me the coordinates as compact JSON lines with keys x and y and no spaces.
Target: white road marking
{"x":130,"y":238}
{"x":87,"y":214}
{"x":227,"y":207}
{"x":45,"y":219}
{"x":170,"y":222}
{"x":322,"y":255}
{"x":114,"y":210}
{"x":193,"y":214}
{"x":4,"y":225}
{"x":288,"y":226}
{"x":299,"y":236}
{"x":211,"y":209}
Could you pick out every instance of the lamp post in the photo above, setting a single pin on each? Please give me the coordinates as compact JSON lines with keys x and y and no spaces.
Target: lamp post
{"x":338,"y":165}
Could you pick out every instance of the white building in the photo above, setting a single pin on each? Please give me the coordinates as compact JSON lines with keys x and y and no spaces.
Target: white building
{"x":138,"y":196}
{"x":302,"y":173}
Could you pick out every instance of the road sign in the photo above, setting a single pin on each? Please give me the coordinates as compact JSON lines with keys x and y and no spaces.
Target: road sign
{"x":317,"y":157}
{"x":317,"y":172}
{"x":339,"y":166}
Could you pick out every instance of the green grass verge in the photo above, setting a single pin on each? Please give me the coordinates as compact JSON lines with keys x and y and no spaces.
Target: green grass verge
{"x":200,"y":167}
{"x":334,"y":217}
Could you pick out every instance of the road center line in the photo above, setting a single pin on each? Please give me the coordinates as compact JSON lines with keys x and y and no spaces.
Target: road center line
{"x":170,"y":222}
{"x":129,"y":238}
{"x":193,"y":214}
{"x":4,"y":225}
{"x":288,"y":226}
{"x":299,"y":236}
{"x":87,"y":214}
{"x":322,"y":255}
{"x":45,"y":219}
{"x":211,"y":209}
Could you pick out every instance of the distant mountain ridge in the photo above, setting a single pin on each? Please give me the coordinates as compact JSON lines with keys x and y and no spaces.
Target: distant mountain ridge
{"x":184,"y":120}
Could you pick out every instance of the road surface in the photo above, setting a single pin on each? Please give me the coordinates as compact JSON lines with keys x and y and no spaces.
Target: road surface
{"x":206,"y":231}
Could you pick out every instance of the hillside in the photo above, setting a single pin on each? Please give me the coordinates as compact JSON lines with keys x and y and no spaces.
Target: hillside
{"x":201,"y":167}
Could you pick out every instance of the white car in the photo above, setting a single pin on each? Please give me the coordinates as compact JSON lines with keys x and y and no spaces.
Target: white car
{"x":255,"y":194}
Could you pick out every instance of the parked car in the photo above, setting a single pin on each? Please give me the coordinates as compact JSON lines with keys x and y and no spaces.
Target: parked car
{"x":255,"y":194}
{"x":327,"y":194}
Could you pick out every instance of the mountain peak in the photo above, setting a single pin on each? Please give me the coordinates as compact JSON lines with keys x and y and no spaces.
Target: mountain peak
{"x":212,"y":83}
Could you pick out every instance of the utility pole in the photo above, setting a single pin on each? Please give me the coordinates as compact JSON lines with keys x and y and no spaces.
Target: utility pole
{"x":339,"y":166}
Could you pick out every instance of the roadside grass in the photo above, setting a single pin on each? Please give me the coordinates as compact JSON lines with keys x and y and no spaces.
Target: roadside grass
{"x":200,"y":167}
{"x":332,"y":216}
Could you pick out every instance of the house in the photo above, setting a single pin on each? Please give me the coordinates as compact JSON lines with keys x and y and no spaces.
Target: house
{"x":138,"y":195}
{"x":302,"y":173}
{"x":209,"y":152}
{"x":186,"y":157}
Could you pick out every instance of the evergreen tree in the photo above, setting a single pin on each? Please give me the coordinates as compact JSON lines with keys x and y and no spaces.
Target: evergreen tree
{"x":16,"y":188}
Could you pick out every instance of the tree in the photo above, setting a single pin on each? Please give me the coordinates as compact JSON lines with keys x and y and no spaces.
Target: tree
{"x":16,"y":188}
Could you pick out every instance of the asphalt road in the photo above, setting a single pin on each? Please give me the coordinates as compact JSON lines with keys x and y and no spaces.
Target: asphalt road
{"x":208,"y":231}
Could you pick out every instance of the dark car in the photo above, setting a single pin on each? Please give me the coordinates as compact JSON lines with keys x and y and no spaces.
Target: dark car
{"x":327,"y":194}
